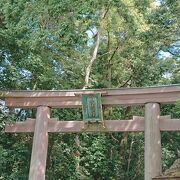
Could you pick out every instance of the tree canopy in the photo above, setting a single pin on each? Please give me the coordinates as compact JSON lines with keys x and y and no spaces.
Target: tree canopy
{"x":66,"y":44}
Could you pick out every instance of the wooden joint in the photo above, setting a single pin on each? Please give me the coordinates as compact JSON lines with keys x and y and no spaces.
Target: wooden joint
{"x":31,"y":119}
{"x":167,"y":117}
{"x":80,"y":93}
{"x":136,"y":118}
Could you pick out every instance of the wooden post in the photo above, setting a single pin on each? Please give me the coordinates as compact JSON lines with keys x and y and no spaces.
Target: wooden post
{"x":152,"y":141}
{"x":40,"y":144}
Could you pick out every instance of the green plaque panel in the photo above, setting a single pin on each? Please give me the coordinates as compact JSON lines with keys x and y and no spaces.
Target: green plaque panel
{"x":92,"y":107}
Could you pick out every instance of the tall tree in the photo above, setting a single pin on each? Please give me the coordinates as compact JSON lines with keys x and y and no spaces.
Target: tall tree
{"x":96,"y":44}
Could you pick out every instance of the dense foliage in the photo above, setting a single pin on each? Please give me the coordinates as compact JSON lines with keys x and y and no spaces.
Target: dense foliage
{"x":48,"y":44}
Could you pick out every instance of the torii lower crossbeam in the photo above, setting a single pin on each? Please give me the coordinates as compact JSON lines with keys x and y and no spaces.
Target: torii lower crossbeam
{"x":137,"y":124}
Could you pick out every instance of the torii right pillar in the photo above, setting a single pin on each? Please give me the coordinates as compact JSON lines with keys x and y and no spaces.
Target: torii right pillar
{"x":152,"y":158}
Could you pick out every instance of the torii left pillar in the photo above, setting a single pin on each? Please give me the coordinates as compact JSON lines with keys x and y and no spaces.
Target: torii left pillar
{"x":40,"y":144}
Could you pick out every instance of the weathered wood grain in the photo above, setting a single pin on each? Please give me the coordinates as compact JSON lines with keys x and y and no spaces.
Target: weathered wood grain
{"x":68,"y":99}
{"x":40,"y":144}
{"x":137,"y":124}
{"x":152,"y":135}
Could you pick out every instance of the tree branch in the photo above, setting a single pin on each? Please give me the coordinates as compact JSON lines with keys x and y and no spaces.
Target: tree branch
{"x":126,"y":81}
{"x":89,"y":67}
{"x":130,"y":153}
{"x":109,"y":75}
{"x":106,"y":11}
{"x":114,"y":138}
{"x":172,"y":53}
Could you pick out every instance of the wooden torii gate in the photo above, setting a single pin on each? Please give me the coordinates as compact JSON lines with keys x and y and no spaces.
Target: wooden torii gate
{"x":151,"y":124}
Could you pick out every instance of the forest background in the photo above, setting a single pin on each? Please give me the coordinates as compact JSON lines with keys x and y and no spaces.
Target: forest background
{"x":75,"y":44}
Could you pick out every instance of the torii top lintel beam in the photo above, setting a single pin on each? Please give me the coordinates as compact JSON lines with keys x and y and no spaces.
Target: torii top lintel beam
{"x":68,"y":98}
